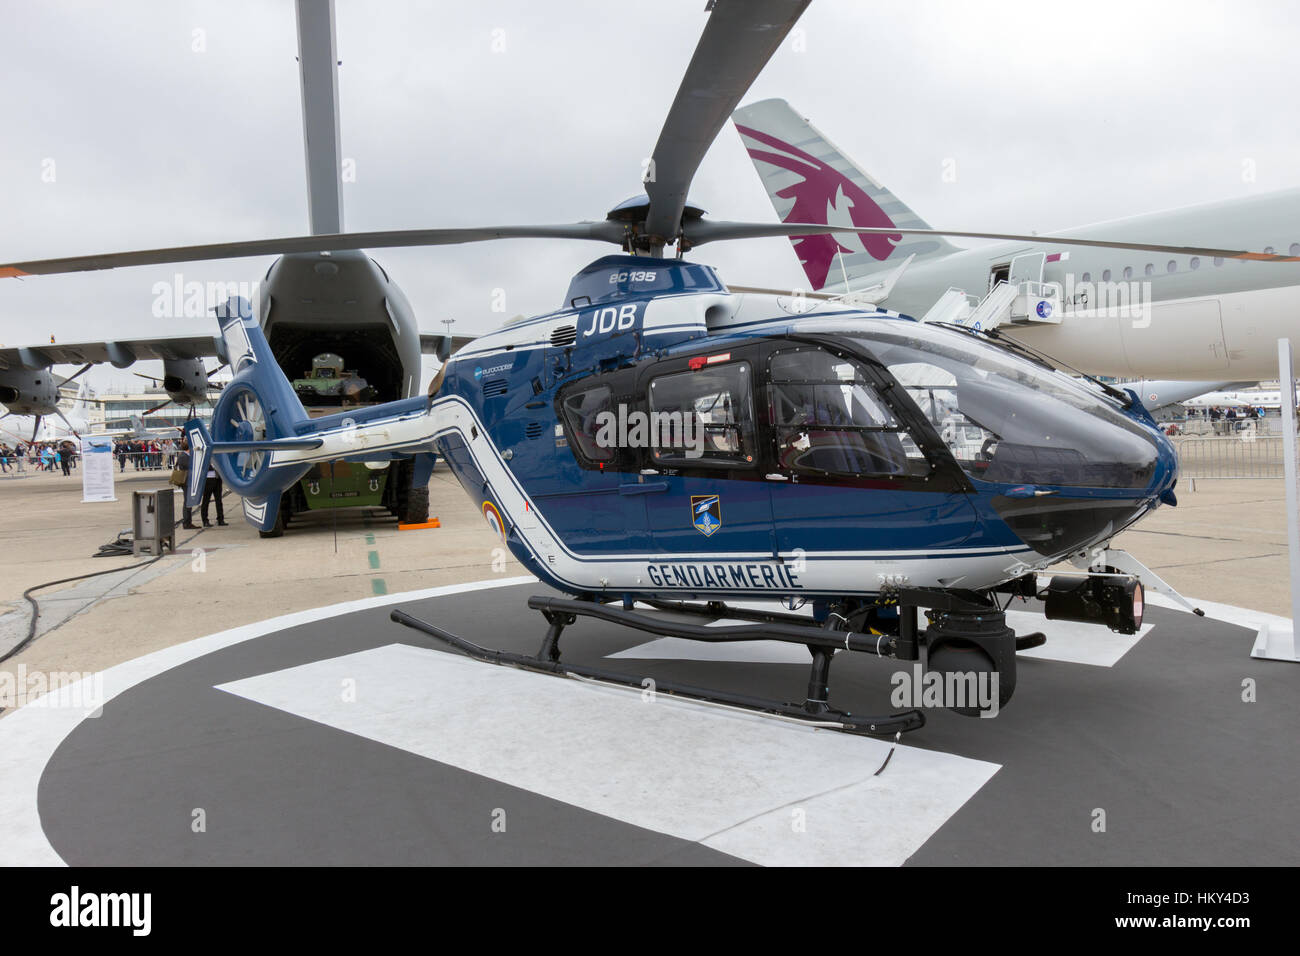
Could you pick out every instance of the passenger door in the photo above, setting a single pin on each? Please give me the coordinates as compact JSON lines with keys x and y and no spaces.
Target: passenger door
{"x":709,"y":494}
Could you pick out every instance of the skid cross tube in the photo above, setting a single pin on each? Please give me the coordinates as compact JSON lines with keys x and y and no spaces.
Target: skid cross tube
{"x":809,"y":635}
{"x":815,"y":712}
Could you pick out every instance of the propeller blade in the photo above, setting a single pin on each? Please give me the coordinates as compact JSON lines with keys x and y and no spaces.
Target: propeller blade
{"x":385,"y":239}
{"x":702,"y":231}
{"x":79,"y":372}
{"x":150,"y":411}
{"x":736,"y":44}
{"x":214,"y":371}
{"x":68,"y":423}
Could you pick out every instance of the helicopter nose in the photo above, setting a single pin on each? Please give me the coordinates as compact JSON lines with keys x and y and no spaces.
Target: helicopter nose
{"x":1060,"y":520}
{"x":1166,"y":471}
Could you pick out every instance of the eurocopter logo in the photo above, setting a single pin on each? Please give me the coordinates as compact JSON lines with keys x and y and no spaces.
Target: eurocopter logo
{"x":824,"y":192}
{"x":706,"y":513}
{"x":480,"y":372}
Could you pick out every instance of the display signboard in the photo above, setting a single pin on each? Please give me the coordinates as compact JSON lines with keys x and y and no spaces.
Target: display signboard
{"x":97,"y":468}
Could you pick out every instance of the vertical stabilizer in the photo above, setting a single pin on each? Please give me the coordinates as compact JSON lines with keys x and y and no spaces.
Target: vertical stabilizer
{"x":808,"y":179}
{"x":318,"y":72}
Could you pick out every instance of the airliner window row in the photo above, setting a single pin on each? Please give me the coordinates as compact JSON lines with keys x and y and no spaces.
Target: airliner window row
{"x":1172,"y":266}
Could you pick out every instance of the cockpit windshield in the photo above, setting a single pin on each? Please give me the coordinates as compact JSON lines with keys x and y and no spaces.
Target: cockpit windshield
{"x":1006,"y":419}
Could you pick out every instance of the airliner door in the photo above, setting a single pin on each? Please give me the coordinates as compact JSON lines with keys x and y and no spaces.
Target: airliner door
{"x":1027,"y":268}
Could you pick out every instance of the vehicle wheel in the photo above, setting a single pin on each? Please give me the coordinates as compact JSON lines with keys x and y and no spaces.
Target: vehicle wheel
{"x":417,"y":506}
{"x":398,"y":492}
{"x":281,"y":520}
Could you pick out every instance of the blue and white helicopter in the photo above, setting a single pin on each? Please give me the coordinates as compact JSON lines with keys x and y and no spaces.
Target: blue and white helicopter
{"x":663,"y":441}
{"x":858,"y":460}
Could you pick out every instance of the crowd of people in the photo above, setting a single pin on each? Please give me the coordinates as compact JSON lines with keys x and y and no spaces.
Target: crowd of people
{"x":145,"y":455}
{"x":21,"y":457}
{"x":1232,"y":413}
{"x":141,"y":455}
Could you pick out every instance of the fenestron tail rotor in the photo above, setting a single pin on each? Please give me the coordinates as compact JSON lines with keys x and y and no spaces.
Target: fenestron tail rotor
{"x":248,"y":423}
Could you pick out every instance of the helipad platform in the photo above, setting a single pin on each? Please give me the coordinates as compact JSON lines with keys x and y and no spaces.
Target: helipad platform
{"x":339,"y":737}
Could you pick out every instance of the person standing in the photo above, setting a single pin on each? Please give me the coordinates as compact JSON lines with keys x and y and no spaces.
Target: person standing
{"x":65,"y":461}
{"x":212,"y":489}
{"x":183,"y":467}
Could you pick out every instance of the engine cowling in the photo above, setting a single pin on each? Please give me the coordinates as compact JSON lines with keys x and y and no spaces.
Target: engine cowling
{"x":186,"y":381}
{"x":27,"y":392}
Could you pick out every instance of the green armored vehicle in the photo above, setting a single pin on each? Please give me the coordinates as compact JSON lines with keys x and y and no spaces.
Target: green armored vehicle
{"x":325,"y":389}
{"x":329,"y":383}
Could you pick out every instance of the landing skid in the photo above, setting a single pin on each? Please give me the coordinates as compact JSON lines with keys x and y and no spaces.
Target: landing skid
{"x":821,"y":642}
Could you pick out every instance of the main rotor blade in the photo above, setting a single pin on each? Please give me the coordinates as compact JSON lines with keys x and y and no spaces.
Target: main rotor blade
{"x":737,"y":42}
{"x":702,"y":231}
{"x":696,"y":233}
{"x":386,"y":239}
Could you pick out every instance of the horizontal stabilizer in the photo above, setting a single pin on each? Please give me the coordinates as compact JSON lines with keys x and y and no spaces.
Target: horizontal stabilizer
{"x":235,"y":447}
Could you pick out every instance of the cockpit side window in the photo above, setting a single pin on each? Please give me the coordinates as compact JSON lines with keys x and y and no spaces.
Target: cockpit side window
{"x":582,"y":411}
{"x":703,"y":418}
{"x":829,"y":420}
{"x":934,"y":390}
{"x":1007,"y":420}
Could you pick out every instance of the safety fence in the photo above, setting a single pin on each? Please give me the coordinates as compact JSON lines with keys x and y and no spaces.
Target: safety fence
{"x":1247,"y":456}
{"x":12,"y":465}
{"x":1205,"y":427}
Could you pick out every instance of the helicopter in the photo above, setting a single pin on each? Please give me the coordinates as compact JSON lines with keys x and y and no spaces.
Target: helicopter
{"x":661,"y":441}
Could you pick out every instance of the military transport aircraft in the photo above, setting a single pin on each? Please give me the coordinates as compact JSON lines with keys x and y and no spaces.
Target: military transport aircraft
{"x":1142,"y":310}
{"x":344,"y":303}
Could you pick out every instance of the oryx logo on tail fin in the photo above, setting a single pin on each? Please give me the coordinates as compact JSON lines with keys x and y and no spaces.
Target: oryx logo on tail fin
{"x":823,"y":195}
{"x":808,"y":179}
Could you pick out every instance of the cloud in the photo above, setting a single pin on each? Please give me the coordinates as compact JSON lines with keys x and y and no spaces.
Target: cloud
{"x":516,"y":112}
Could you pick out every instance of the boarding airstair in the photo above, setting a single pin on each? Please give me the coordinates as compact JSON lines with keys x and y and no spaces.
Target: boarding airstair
{"x":953,"y":307}
{"x":1021,"y":303}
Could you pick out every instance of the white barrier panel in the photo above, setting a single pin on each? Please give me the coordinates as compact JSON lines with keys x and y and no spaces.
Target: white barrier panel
{"x":97,"y":469}
{"x":1278,"y":642}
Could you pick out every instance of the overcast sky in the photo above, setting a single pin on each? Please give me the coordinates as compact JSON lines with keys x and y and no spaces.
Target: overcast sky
{"x":1055,"y":114}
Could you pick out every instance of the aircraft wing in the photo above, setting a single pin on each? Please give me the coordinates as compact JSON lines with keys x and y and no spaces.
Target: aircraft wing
{"x":1159,"y":393}
{"x":120,"y":352}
